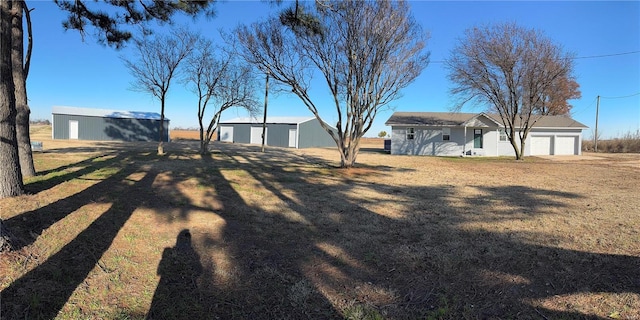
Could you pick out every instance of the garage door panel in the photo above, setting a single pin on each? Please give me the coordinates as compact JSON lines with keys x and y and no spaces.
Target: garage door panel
{"x":540,"y":145}
{"x":566,"y":145}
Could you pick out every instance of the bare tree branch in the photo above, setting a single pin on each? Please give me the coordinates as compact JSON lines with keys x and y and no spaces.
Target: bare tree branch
{"x":518,"y":73}
{"x":366,"y":52}
{"x":156,"y":66}
{"x":222,"y":82}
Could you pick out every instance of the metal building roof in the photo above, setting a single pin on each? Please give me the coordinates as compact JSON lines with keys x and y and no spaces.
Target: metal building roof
{"x":274,"y":120}
{"x":104,"y":113}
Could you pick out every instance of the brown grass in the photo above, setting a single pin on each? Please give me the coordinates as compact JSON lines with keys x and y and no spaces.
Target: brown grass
{"x":627,"y":143}
{"x":284,"y":234}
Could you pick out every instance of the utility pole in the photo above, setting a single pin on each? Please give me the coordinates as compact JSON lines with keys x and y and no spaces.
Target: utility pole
{"x":264,"y":120}
{"x":595,"y":137}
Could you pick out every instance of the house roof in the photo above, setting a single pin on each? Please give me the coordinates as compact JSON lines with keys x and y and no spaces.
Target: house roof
{"x":104,"y":113}
{"x":274,"y":120}
{"x":459,"y":119}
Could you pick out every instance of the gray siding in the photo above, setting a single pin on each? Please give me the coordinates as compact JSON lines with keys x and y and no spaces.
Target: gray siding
{"x":241,"y":132}
{"x":311,"y":134}
{"x":278,"y":134}
{"x":109,"y":129}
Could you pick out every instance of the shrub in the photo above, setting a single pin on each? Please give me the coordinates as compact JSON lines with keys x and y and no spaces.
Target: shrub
{"x":627,"y":143}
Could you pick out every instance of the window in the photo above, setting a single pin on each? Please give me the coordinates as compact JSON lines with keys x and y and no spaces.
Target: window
{"x":411,"y":133}
{"x":477,"y":138}
{"x":446,"y":134}
{"x":503,"y":134}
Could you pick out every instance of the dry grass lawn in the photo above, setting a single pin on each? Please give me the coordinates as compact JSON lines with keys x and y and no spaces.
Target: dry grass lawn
{"x":111,"y":230}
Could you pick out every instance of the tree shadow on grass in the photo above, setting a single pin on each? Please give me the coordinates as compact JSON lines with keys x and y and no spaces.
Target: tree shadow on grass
{"x":320,"y":246}
{"x":42,"y":292}
{"x":310,"y":257}
{"x":27,"y":226}
{"x":71,"y":171}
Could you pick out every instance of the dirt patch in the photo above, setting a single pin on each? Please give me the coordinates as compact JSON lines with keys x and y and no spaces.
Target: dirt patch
{"x":187,"y":135}
{"x":571,"y":158}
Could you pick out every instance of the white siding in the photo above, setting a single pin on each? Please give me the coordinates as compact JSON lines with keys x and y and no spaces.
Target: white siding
{"x":428,"y":141}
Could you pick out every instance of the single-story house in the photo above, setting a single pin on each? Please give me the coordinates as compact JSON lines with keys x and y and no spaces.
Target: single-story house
{"x":288,"y":132}
{"x":106,"y":125}
{"x":479,"y":134}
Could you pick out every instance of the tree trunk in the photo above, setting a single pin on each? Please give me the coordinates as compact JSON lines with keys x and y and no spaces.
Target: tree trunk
{"x":10,"y":175}
{"x":522,"y":143}
{"x":348,"y":155}
{"x":512,"y":140}
{"x":8,"y":241}
{"x":160,"y":144}
{"x":19,"y":79}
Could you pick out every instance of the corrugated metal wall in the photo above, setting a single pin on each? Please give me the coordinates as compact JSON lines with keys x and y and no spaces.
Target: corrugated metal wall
{"x":278,"y":134}
{"x":109,"y":129}
{"x":241,"y":132}
{"x":311,"y":135}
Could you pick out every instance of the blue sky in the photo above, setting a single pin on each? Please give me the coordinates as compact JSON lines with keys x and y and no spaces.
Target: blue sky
{"x":67,"y":71}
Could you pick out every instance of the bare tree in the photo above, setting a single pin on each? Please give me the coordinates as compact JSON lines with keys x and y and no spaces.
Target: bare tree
{"x":221,"y":82}
{"x":366,"y":51}
{"x":157,"y":63}
{"x":109,"y":26}
{"x":512,"y":70}
{"x":10,"y":177}
{"x":20,"y":71}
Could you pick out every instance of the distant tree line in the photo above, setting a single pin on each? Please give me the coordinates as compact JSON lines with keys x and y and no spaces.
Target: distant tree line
{"x":40,"y":122}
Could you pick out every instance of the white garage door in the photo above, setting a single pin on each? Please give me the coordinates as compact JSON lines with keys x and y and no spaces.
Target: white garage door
{"x":256,"y":135}
{"x":540,"y":145}
{"x":566,"y":145}
{"x":226,"y":134}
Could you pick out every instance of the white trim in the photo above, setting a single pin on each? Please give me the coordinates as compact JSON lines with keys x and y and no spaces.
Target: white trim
{"x":297,"y":136}
{"x":104,"y":113}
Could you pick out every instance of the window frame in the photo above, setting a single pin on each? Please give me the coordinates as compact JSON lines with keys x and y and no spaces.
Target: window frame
{"x":410,"y":133}
{"x":502,"y":135}
{"x":446,"y":134}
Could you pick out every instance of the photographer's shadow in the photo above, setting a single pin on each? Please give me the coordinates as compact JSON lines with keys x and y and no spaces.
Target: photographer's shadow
{"x":177,"y":295}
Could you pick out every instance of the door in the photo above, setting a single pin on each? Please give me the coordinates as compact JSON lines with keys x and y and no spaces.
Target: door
{"x":226,"y":134}
{"x":73,"y":129}
{"x":293,"y":136}
{"x":256,"y":135}
{"x":540,"y":145}
{"x":566,"y":145}
{"x":477,"y":138}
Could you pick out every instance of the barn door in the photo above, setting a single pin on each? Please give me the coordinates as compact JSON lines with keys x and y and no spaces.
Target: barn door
{"x":73,"y":129}
{"x":226,"y":134}
{"x":293,"y":135}
{"x":256,"y":135}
